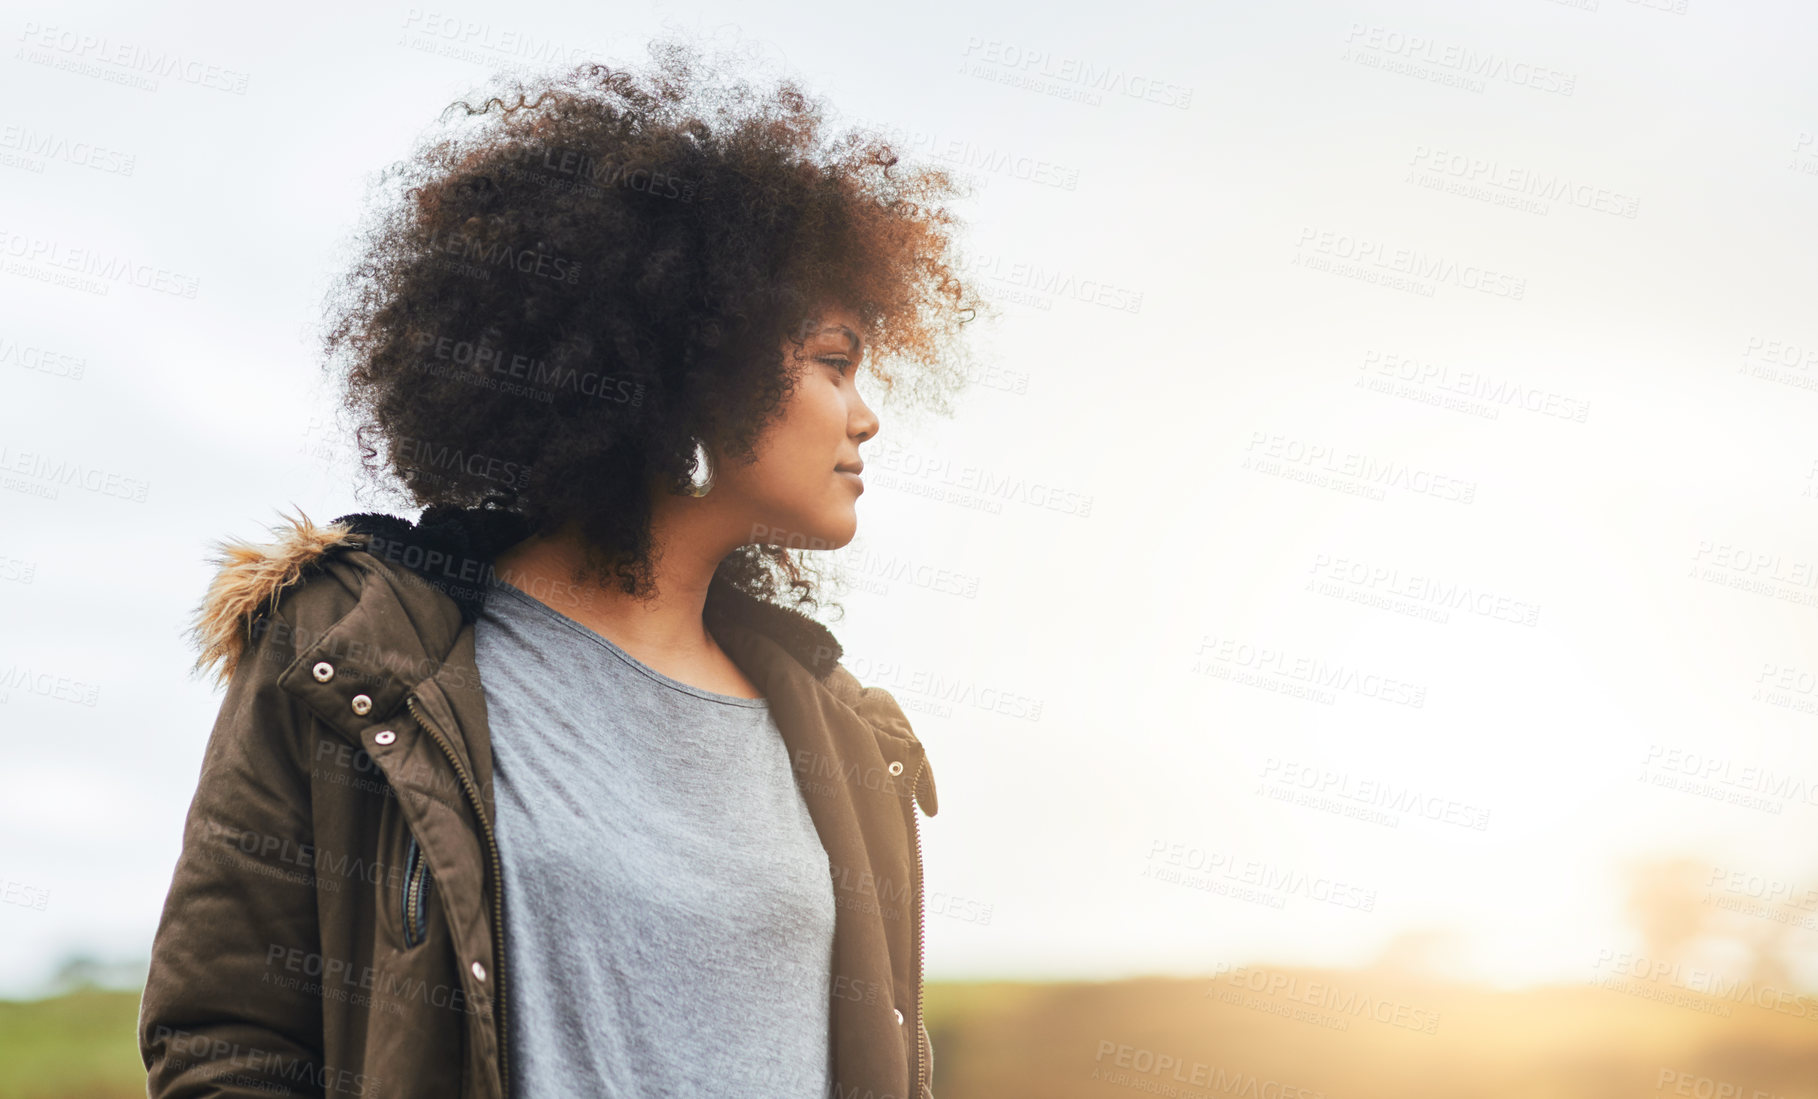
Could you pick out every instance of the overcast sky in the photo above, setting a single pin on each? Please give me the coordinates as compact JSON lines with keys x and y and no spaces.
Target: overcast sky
{"x":1389,"y":403}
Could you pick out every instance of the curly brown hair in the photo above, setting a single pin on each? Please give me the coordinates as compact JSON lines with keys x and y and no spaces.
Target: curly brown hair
{"x":555,"y":303}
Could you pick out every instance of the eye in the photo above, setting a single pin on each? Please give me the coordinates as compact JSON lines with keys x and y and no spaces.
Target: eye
{"x":837,"y":360}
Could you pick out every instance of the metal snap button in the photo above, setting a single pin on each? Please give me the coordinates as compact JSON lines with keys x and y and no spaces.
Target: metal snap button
{"x":896,"y":767}
{"x":362,"y":704}
{"x":384,"y":736}
{"x":479,"y":971}
{"x":323,"y":672}
{"x":899,"y":1016}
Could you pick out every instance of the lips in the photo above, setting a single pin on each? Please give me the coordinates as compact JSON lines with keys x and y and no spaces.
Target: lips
{"x":856,"y":467}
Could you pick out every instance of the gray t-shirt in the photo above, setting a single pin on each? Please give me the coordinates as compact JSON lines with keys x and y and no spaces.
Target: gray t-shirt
{"x":669,"y":907}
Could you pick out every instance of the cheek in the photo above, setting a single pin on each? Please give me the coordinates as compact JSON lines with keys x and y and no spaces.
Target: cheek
{"x":815,"y":426}
{"x":798,"y":453}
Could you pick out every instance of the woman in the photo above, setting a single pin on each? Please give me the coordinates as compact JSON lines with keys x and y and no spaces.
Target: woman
{"x":552,"y":792}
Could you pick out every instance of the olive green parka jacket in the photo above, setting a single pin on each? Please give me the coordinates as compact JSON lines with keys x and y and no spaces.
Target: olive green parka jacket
{"x":335,"y":924}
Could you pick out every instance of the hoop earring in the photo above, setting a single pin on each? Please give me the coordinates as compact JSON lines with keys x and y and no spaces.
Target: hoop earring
{"x":699,"y":481}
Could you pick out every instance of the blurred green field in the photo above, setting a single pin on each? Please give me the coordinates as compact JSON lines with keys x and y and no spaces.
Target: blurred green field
{"x":1283,"y":1033}
{"x":1273,"y":1033}
{"x":77,"y":1044}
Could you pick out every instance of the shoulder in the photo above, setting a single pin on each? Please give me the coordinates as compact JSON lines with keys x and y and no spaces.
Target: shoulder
{"x":879,"y":709}
{"x":304,"y":578}
{"x":875,"y":704}
{"x":844,"y":685}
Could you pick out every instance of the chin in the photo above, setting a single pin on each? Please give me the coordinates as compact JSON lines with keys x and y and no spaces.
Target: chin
{"x":829,"y":530}
{"x":839,"y":530}
{"x":842,"y":534}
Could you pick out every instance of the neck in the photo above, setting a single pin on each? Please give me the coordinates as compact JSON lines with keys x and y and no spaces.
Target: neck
{"x":467,"y":535}
{"x":667,"y":624}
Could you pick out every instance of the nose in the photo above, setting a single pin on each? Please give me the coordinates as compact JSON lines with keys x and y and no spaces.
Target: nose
{"x":863,"y":423}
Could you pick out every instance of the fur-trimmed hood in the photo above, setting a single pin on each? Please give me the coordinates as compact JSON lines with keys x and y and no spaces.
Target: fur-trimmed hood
{"x":451,"y":549}
{"x":249,"y":577}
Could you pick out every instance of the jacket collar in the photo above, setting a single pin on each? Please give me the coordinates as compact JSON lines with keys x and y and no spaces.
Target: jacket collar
{"x":450,"y":550}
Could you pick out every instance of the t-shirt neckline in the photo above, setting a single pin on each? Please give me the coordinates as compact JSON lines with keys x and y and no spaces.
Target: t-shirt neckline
{"x":525,"y":598}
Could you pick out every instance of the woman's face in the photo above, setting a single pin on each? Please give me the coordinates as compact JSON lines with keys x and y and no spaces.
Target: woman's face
{"x":798,"y":492}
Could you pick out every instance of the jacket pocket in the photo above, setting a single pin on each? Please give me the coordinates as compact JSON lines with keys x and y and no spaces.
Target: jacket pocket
{"x":415,"y":900}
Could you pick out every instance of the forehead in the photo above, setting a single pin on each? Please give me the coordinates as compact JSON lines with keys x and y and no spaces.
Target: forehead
{"x":837,"y":324}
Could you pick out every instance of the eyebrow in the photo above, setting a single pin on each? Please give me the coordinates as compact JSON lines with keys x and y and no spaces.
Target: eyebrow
{"x":852,"y":337}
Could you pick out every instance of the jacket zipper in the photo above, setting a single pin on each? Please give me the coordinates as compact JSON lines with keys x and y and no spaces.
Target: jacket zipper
{"x":421,"y":897}
{"x":498,"y":879}
{"x":416,"y":868}
{"x":921,"y":1069}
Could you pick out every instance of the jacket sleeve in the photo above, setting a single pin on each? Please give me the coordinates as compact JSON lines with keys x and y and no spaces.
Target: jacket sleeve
{"x":222,"y":1014}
